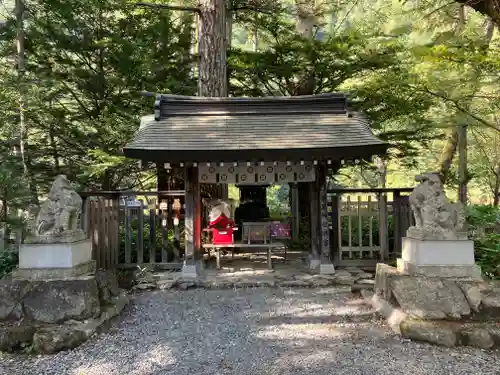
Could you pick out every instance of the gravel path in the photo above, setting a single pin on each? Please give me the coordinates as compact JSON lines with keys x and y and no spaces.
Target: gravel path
{"x":252,"y":331}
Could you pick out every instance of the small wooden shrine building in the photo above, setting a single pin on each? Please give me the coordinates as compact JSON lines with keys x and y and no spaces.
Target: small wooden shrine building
{"x":255,"y":141}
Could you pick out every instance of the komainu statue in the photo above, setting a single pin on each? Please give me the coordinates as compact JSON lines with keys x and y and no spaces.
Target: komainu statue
{"x":58,"y":218}
{"x":435,"y":217}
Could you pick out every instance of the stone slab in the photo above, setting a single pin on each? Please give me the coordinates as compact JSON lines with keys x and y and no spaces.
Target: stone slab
{"x":313,"y":263}
{"x":472,"y":272}
{"x":69,"y":236}
{"x":326,"y":269}
{"x":438,"y":253}
{"x":55,"y":255}
{"x":193,"y":269}
{"x":41,"y":274}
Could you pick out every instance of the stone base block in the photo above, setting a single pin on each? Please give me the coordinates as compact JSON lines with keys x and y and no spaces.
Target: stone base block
{"x":447,"y":258}
{"x":193,"y":269}
{"x":313,"y":263}
{"x":326,"y":269}
{"x":55,"y":255}
{"x":37,"y":274}
{"x":445,"y":271}
{"x":438,"y":253}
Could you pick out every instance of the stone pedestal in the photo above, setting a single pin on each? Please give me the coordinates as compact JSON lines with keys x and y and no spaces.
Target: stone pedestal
{"x":443,"y":258}
{"x":313,"y":262}
{"x":42,"y":261}
{"x":193,"y":269}
{"x":326,"y":268}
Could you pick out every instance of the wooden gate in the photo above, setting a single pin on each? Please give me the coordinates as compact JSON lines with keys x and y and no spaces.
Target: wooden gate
{"x":367,"y":225}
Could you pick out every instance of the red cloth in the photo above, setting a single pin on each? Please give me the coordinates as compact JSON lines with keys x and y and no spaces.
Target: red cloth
{"x":222,"y":229}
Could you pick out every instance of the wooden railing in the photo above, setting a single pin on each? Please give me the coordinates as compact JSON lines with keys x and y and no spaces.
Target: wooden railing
{"x":128,"y":229}
{"x":367,"y":224}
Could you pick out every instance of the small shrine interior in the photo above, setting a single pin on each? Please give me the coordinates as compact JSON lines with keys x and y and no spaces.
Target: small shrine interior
{"x":253,"y":143}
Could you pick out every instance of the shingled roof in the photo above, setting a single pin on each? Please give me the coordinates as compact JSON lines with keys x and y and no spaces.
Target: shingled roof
{"x":190,"y":129}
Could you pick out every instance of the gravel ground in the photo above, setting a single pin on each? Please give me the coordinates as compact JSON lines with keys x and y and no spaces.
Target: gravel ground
{"x":252,"y":331}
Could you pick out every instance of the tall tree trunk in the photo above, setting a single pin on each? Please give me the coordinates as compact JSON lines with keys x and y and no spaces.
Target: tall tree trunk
{"x":213,"y":49}
{"x":496,"y":187}
{"x":306,"y":19}
{"x":23,"y":131}
{"x":214,"y":42}
{"x":463,"y":175}
{"x":448,"y":154}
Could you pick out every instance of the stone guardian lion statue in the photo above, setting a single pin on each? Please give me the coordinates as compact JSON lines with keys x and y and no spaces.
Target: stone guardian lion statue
{"x":59,"y":214}
{"x":435,"y":217}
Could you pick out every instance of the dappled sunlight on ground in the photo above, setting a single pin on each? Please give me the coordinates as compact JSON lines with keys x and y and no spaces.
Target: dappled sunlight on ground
{"x":261,"y":331}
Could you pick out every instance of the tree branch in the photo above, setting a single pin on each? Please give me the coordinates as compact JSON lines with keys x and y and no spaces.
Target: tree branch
{"x":171,"y":7}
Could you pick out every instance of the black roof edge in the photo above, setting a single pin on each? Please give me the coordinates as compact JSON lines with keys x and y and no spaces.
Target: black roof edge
{"x":320,"y":154}
{"x":181,"y":98}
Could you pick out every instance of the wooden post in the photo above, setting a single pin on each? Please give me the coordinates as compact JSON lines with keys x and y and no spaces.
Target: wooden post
{"x":192,"y":223}
{"x":294,"y":203}
{"x":314,"y":259}
{"x":383,"y":225}
{"x":326,"y":265}
{"x":335,"y":215}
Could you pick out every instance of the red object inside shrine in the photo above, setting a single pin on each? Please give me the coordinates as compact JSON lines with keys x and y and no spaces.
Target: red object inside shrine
{"x":222,"y":230}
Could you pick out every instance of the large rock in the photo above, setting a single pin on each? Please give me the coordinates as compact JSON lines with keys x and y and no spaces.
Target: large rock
{"x":483,"y":297}
{"x":383,"y":275}
{"x":490,"y":301}
{"x":439,"y":333}
{"x":59,"y":300}
{"x":54,"y":339}
{"x":477,"y":337}
{"x":11,"y":294}
{"x":12,"y":337}
{"x":430,"y":298}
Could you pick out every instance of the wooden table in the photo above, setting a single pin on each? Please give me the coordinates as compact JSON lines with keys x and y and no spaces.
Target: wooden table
{"x":269,"y":246}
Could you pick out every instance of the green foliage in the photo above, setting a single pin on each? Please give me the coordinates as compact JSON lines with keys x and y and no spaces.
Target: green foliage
{"x":304,"y":240}
{"x":9,"y":259}
{"x":487,"y":253}
{"x":159,"y":241}
{"x":88,"y":62}
{"x":278,"y":202}
{"x":484,"y":223}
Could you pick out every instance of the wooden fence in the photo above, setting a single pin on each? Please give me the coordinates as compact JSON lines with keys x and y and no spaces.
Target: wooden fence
{"x":368,"y":224}
{"x":134,"y":228}
{"x":146,"y":228}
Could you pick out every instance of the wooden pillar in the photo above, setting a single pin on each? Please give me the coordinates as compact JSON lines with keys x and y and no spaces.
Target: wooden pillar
{"x":294,"y":203}
{"x":383,"y":225}
{"x":335,"y":237}
{"x":326,"y":265}
{"x":314,"y":259}
{"x":192,"y":223}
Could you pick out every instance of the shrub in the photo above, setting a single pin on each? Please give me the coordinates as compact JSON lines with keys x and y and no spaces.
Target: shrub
{"x":9,"y":259}
{"x":483,"y":225}
{"x":487,"y":252}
